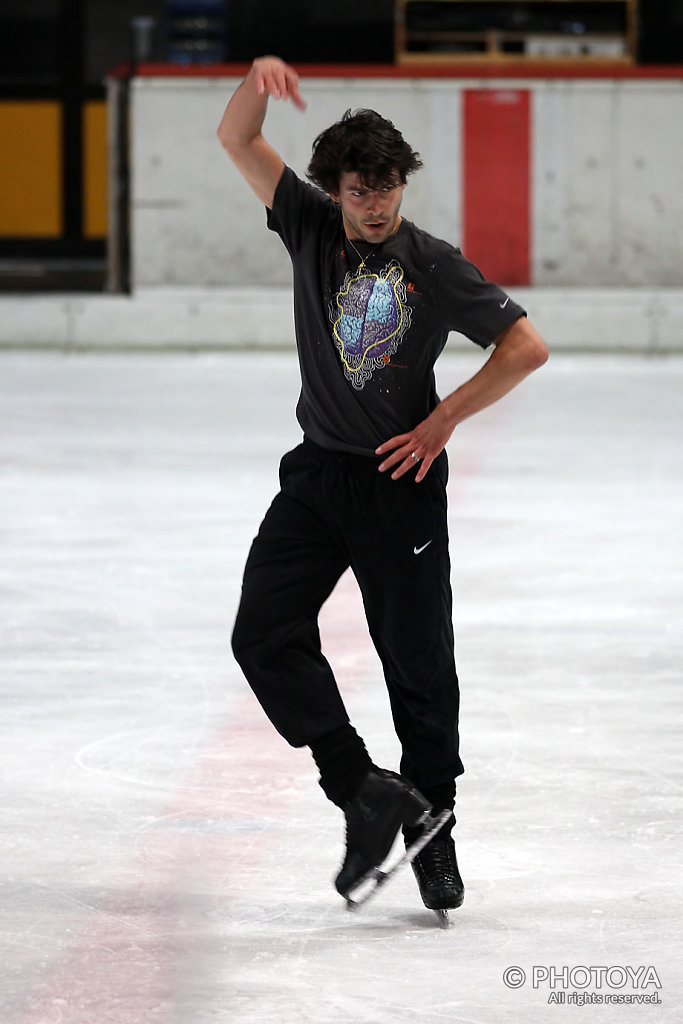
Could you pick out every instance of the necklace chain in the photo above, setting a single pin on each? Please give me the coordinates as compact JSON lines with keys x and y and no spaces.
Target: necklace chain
{"x":361,"y":258}
{"x":365,"y":258}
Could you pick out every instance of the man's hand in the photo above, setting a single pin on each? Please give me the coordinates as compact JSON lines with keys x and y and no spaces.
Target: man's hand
{"x":418,"y":448}
{"x":272,"y":77}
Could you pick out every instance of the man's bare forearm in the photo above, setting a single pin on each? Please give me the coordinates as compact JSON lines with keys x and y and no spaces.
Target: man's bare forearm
{"x":518,"y":353}
{"x":244,"y":115}
{"x":240,"y":129}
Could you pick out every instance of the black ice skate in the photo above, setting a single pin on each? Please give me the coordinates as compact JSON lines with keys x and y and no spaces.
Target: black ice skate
{"x":383,"y":804}
{"x":436,"y":871}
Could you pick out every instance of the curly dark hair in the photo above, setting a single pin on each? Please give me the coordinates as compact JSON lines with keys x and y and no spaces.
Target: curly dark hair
{"x":365,"y":142}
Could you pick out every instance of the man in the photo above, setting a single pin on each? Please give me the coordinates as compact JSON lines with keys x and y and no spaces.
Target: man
{"x":374,"y":300}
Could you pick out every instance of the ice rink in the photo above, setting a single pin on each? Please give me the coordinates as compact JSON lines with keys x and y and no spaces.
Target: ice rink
{"x":167,"y":858}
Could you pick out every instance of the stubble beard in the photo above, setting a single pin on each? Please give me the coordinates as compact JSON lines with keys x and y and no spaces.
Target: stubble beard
{"x":377,"y":235}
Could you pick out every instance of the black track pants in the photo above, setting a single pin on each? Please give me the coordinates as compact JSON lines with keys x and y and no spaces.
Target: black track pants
{"x":334,"y":511}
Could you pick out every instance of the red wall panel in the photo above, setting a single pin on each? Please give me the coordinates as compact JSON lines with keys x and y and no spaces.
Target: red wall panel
{"x":496,"y":183}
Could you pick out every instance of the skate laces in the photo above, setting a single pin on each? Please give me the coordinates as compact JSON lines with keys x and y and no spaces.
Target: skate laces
{"x":437,"y":863}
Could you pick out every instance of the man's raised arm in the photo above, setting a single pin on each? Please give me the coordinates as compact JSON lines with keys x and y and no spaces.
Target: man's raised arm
{"x":240,"y":128}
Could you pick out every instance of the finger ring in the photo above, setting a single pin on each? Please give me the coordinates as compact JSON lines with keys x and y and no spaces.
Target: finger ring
{"x":414,"y":456}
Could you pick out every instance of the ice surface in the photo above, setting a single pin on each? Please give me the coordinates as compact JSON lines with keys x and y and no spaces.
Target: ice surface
{"x":166,"y":857}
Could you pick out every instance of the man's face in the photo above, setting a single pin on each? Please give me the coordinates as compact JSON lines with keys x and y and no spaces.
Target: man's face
{"x":370,"y":214}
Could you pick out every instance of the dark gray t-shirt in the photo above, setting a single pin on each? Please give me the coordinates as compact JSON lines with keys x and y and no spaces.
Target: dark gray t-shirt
{"x":368,"y":340}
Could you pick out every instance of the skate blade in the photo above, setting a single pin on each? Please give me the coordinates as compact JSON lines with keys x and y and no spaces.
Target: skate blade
{"x":443,"y":919}
{"x":365,"y":888}
{"x":373,"y":880}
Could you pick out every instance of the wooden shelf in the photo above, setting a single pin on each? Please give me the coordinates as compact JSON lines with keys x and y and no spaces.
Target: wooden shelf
{"x":447,"y":31}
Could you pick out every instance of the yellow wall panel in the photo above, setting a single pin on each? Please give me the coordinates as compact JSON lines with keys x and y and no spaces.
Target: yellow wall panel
{"x":30,"y":169}
{"x":95,"y":169}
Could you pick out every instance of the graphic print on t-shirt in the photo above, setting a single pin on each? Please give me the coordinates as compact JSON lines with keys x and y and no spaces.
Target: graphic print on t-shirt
{"x":370,"y":315}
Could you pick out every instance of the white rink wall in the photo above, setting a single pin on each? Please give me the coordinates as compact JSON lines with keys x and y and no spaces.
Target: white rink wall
{"x":195,"y":221}
{"x":606,"y":215}
{"x":639,"y":320}
{"x":606,"y":189}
